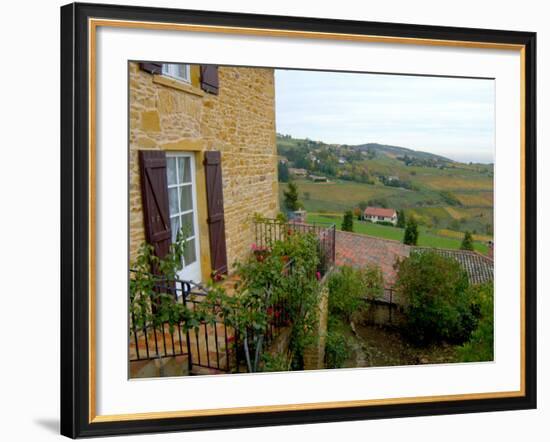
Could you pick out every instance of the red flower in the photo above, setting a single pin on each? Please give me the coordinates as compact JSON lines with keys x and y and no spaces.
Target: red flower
{"x":318,"y":275}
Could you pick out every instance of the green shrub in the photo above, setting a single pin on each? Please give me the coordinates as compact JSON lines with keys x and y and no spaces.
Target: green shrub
{"x":438,"y":299}
{"x":347,"y":221}
{"x":411,"y":232}
{"x":349,"y":286}
{"x":292,"y":203}
{"x":337,"y":347}
{"x":480,"y":345}
{"x":467,"y":242}
{"x":271,"y":363}
{"x":385,"y":223}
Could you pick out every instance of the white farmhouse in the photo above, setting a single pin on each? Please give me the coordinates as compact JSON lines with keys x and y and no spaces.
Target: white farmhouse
{"x":379,"y":214}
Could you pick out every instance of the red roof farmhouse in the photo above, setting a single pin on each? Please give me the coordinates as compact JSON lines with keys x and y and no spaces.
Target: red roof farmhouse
{"x":378,"y":214}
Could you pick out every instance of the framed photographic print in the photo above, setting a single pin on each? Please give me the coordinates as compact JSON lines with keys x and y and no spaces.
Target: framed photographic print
{"x":274,"y":220}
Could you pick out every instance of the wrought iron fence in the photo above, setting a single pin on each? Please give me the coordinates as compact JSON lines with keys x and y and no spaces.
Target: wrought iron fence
{"x":213,"y":345}
{"x":269,"y":230}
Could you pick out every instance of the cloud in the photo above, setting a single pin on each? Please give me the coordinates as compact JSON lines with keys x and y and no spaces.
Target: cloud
{"x":453,"y":117}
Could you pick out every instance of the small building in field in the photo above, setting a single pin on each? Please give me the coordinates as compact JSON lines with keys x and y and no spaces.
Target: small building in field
{"x":380,"y":214}
{"x":318,"y":179}
{"x":297,"y":172}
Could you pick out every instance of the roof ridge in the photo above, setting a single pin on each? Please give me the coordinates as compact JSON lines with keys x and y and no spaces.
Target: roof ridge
{"x":469,"y":252}
{"x":375,"y":237}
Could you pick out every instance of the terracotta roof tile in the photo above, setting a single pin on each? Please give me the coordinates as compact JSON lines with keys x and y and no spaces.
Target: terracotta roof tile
{"x":478,"y":267}
{"x":380,"y":211}
{"x":358,"y":250}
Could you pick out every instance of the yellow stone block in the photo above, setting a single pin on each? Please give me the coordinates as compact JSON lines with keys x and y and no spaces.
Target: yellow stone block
{"x":150,"y":121}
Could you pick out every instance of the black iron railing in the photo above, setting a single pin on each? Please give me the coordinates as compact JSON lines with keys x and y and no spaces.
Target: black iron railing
{"x":269,"y":230}
{"x":211,"y":344}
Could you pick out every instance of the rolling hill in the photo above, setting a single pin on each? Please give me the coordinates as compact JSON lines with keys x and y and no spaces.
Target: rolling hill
{"x":442,"y":194}
{"x":395,"y":151}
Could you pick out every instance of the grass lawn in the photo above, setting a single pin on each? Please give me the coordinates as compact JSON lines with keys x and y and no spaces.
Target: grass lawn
{"x":425,"y":238}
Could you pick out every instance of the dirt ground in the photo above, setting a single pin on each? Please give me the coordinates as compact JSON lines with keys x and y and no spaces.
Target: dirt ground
{"x":375,"y":346}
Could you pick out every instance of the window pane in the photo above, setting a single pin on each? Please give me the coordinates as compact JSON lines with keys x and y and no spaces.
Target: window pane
{"x":176,"y":70}
{"x":187,"y":224}
{"x":190,"y":256}
{"x":186,"y":199}
{"x":184,"y":169}
{"x":182,"y":71}
{"x":175,"y":226}
{"x":171,"y":170}
{"x":173,"y":199}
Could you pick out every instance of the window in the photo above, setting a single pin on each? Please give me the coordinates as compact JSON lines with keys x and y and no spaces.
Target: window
{"x":178,"y":71}
{"x":180,"y":169}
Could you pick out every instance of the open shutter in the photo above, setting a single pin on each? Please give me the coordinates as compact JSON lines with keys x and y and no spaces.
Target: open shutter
{"x":216,"y":219}
{"x":154,"y":194}
{"x":209,"y":78}
{"x":152,"y":68}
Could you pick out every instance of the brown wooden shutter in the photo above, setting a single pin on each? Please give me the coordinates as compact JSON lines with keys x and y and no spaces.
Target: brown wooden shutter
{"x":152,"y":68}
{"x":209,"y":78}
{"x":216,"y":219}
{"x":154,"y":195}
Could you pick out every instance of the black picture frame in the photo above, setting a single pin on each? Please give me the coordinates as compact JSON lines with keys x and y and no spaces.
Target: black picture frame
{"x":75,"y":219}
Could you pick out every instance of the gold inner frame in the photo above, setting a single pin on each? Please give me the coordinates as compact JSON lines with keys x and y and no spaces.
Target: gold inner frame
{"x":93,"y":24}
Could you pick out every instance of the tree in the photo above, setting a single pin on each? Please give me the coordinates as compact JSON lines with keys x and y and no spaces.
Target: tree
{"x":480,"y":345}
{"x":411,"y":232}
{"x":347,"y":222}
{"x":283,"y":172}
{"x":363,"y":205}
{"x":292,"y":203}
{"x":401,"y":220}
{"x":357,"y":213}
{"x":439,"y":303}
{"x":467,"y":242}
{"x":349,"y":286}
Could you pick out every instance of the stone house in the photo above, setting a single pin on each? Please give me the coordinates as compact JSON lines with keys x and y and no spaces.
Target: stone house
{"x":202,"y":154}
{"x":297,"y":172}
{"x":379,"y":214}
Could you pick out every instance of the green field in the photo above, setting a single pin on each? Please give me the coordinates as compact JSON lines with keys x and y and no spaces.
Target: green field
{"x":425,"y":239}
{"x":442,"y":195}
{"x":426,"y":205}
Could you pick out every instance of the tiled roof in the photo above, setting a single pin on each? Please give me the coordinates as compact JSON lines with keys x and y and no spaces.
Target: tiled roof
{"x":358,"y":250}
{"x":379,"y":211}
{"x":478,"y":267}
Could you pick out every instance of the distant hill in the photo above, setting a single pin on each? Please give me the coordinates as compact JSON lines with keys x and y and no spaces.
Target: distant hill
{"x":286,"y":141}
{"x":395,"y":151}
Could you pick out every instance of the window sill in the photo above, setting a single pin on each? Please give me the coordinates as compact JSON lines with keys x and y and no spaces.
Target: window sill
{"x":179,"y":85}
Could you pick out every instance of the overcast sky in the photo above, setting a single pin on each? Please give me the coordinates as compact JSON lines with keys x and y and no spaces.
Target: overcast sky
{"x":453,"y":117}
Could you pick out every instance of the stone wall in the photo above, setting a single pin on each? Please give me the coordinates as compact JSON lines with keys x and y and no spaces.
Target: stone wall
{"x":314,"y":356}
{"x":239,"y":122}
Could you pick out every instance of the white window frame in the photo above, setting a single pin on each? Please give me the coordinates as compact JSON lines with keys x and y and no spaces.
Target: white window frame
{"x":169,"y":70}
{"x":180,"y":213}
